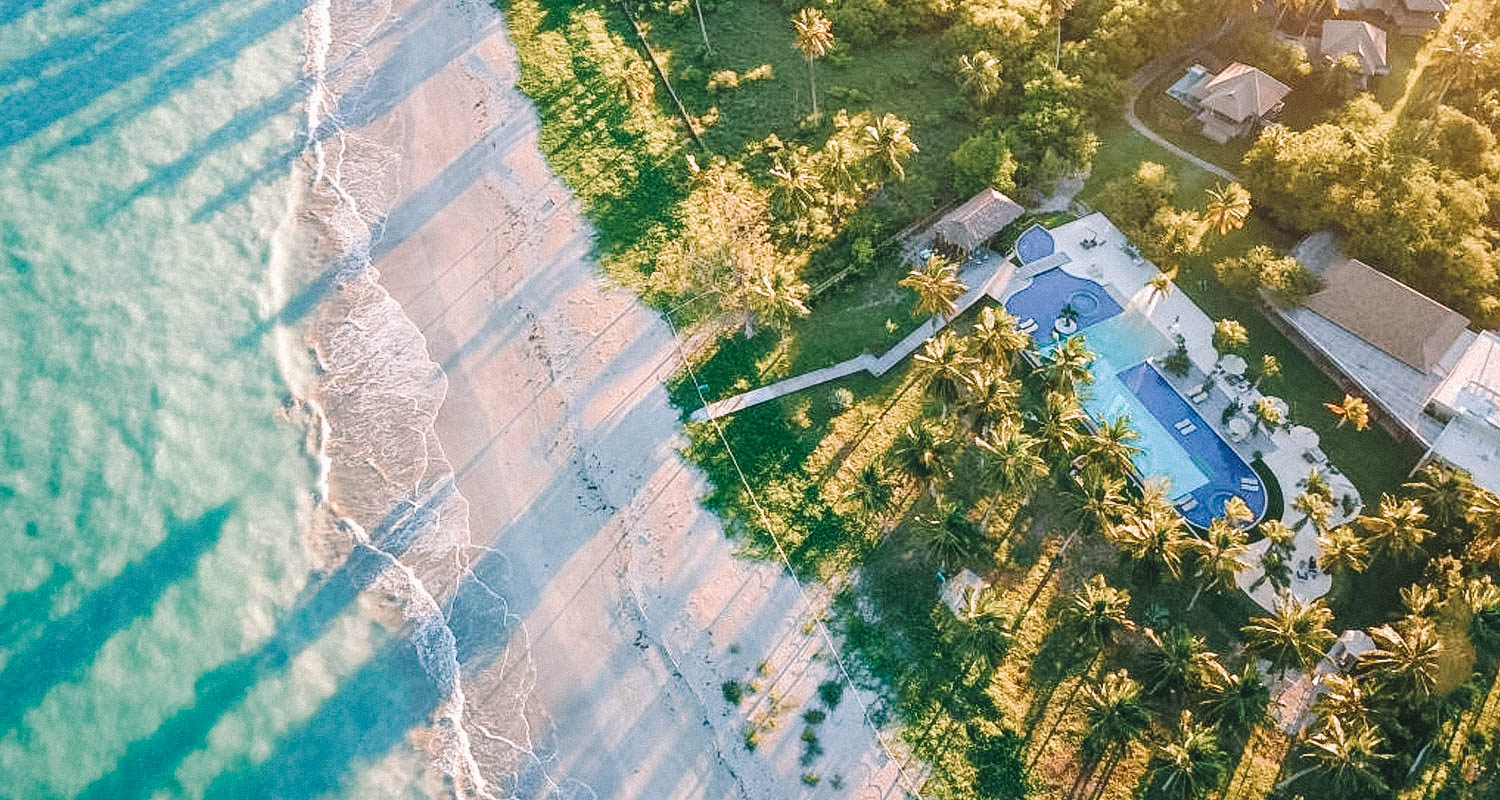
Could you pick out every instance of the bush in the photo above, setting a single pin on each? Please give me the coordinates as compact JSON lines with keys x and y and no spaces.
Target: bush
{"x":811,"y":778}
{"x":831,"y":692}
{"x":814,"y":716}
{"x":733,"y":692}
{"x":723,"y":79}
{"x":984,"y":160}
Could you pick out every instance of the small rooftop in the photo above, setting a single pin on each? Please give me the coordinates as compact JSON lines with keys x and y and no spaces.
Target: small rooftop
{"x":979,"y":218}
{"x":1240,"y":93}
{"x":1358,"y":38}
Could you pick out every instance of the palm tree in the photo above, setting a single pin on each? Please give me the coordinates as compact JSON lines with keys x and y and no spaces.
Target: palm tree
{"x":814,"y":39}
{"x":1341,"y":551}
{"x":1115,"y":715}
{"x":1348,"y":757}
{"x":836,"y":163}
{"x":937,"y":286}
{"x":1458,"y":60}
{"x":1161,"y":284}
{"x":1343,"y":698}
{"x":775,"y":295}
{"x":1397,"y":529}
{"x":1177,"y":662}
{"x":1270,"y":367}
{"x":1110,"y":446}
{"x":1011,"y":460}
{"x":1057,"y":426}
{"x":1228,"y":208}
{"x":1315,"y":507}
{"x":890,"y":145}
{"x":1230,"y":335}
{"x":1238,"y":701}
{"x":1189,"y":766}
{"x":1057,"y":9}
{"x":1406,"y":660}
{"x":949,"y":535}
{"x":1221,"y":554}
{"x":872,"y":489}
{"x":1445,"y":494}
{"x":982,"y":632}
{"x":1351,"y":409}
{"x":1068,"y":366}
{"x":1096,"y":613}
{"x":924,"y":457}
{"x":703,"y":29}
{"x":941,"y":364}
{"x":1154,"y":536}
{"x":1093,"y":499}
{"x":1296,"y":635}
{"x":988,"y":400}
{"x":979,"y":77}
{"x":1268,"y":415}
{"x":1237,"y":512}
{"x":794,"y":187}
{"x":994,"y":339}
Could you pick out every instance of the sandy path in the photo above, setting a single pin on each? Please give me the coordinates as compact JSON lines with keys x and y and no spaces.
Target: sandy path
{"x":564,"y":446}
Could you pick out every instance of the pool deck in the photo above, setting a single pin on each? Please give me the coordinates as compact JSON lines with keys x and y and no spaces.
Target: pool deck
{"x":1126,"y":275}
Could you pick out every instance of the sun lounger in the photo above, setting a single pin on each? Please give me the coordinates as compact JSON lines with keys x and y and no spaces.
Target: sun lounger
{"x":1027,"y":325}
{"x":1187,"y":503}
{"x":1250,"y":484}
{"x":1183,"y":423}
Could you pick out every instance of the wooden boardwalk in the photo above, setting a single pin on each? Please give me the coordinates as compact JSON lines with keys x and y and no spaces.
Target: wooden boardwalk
{"x":986,"y":280}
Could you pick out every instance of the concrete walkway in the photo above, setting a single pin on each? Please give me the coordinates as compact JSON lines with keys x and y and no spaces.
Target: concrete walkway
{"x":985,"y":279}
{"x":1142,"y":78}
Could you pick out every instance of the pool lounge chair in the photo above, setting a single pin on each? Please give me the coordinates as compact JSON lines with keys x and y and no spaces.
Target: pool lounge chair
{"x":1187,"y":503}
{"x":1249,"y":484}
{"x":1027,"y":325}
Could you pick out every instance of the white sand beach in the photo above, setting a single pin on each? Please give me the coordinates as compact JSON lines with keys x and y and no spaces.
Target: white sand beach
{"x":623,"y":603}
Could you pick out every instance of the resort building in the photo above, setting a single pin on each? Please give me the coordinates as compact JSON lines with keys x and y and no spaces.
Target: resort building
{"x":1427,"y":375}
{"x":1237,"y":102}
{"x":1410,"y":17}
{"x":1351,"y":37}
{"x":967,"y":227}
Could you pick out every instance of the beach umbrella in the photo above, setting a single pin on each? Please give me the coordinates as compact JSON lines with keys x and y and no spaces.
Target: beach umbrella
{"x":1232,"y":364}
{"x":1303,"y":437}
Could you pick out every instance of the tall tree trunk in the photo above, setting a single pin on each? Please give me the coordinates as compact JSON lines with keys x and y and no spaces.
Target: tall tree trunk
{"x":1057,"y":59}
{"x":1051,"y":568}
{"x":703,"y":29}
{"x":812,"y":83}
{"x":749,"y":322}
{"x":1066,"y":706}
{"x":1194,"y":601}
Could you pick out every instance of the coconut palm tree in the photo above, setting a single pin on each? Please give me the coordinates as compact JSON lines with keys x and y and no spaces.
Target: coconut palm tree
{"x":813,"y":37}
{"x":1342,"y":551}
{"x":1405,"y":661}
{"x":1295,"y":635}
{"x":979,"y":77}
{"x":1268,"y":415}
{"x":988,"y":400}
{"x":794,"y":186}
{"x":872,"y":489}
{"x":1096,"y":614}
{"x":890,"y":145}
{"x":995,"y":341}
{"x":937,"y":285}
{"x":1343,"y":698}
{"x":1457,"y":60}
{"x":1237,"y":701}
{"x":1221,"y":554}
{"x":1114,"y":714}
{"x":1230,"y":336}
{"x":942,"y":366}
{"x":949,"y":535}
{"x":1228,"y":208}
{"x":1397,"y":529}
{"x":1237,"y":512}
{"x":1012,"y":460}
{"x":1057,"y":426}
{"x":775,"y":295}
{"x":1110,"y":446}
{"x":1315,"y":507}
{"x":924,"y":457}
{"x":1348,"y":759}
{"x":1445,"y":494}
{"x":1188,"y":766}
{"x":1154,"y":536}
{"x":1161,"y":284}
{"x":981,"y":631}
{"x":1270,"y":367}
{"x":1093,"y":500}
{"x":1351,"y":409}
{"x":1068,"y":366}
{"x":1178,"y":662}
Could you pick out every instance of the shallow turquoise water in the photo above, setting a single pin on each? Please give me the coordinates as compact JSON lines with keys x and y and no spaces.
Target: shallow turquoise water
{"x":162,"y":626}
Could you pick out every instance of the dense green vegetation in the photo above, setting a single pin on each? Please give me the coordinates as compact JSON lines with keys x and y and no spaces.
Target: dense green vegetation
{"x":1111,"y":654}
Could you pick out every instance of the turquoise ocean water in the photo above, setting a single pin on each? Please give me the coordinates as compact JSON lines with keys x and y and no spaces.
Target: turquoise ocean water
{"x":166,"y":627}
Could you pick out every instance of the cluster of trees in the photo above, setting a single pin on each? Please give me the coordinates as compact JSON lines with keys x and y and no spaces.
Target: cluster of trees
{"x":1416,"y":194}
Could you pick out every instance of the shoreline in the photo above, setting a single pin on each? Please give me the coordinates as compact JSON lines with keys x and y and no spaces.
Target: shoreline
{"x":592,"y":607}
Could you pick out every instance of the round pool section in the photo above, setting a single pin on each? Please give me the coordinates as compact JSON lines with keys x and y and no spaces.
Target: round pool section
{"x":1083,"y":302}
{"x":1034,"y":244}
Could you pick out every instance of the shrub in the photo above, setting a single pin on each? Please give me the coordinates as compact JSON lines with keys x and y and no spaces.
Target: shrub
{"x":811,"y":778}
{"x":984,"y":160}
{"x":831,"y":692}
{"x":814,"y":716}
{"x":760,"y":73}
{"x":733,"y":692}
{"x":723,"y":79}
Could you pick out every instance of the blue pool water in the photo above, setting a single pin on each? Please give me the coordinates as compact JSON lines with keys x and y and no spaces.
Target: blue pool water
{"x":1177,"y":446}
{"x":1179,"y":90}
{"x":1034,"y":245}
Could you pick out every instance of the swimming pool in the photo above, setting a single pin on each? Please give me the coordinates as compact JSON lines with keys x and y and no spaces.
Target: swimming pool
{"x":1179,"y":450}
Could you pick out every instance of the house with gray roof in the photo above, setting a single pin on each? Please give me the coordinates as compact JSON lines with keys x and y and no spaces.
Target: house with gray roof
{"x":1410,"y":17}
{"x":1236,"y":102}
{"x":1352,"y":37}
